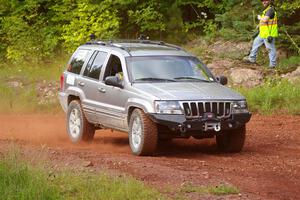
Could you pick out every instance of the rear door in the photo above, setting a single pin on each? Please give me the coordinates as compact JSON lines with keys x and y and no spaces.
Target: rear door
{"x":89,"y":82}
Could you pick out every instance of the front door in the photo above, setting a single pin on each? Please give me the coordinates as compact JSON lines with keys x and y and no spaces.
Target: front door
{"x":114,"y":98}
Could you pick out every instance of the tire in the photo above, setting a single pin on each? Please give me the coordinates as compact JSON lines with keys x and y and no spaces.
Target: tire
{"x":143,"y":134}
{"x":232,"y":141}
{"x":78,"y":128}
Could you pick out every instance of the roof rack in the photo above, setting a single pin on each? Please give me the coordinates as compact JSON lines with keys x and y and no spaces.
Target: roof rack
{"x":108,"y":43}
{"x":162,"y":43}
{"x":111,"y":43}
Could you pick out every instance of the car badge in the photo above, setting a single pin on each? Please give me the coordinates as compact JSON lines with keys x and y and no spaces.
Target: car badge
{"x":209,"y":115}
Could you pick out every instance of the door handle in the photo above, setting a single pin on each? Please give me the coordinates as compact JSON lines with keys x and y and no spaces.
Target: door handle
{"x":81,"y":83}
{"x":101,"y":90}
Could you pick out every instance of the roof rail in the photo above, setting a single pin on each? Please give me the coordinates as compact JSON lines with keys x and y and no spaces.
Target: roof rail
{"x":111,"y":43}
{"x":108,"y":43}
{"x":146,"y":41}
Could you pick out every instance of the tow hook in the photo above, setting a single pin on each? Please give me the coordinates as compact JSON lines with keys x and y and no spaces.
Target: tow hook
{"x":182,"y":128}
{"x":217,"y":127}
{"x":212,"y":126}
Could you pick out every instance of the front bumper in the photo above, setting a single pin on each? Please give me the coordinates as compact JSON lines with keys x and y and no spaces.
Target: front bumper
{"x":179,"y":122}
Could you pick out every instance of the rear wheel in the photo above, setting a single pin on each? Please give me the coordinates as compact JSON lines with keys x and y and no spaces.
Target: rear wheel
{"x":79,"y":129}
{"x":142,"y":134}
{"x":232,"y":141}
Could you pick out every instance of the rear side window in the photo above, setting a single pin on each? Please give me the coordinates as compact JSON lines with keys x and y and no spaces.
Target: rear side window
{"x":95,"y":64}
{"x":78,"y":61}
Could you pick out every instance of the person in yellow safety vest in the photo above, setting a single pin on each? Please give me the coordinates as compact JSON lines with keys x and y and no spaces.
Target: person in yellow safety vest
{"x":268,"y":31}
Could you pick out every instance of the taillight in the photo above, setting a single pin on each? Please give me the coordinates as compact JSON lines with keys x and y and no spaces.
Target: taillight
{"x":62,"y":78}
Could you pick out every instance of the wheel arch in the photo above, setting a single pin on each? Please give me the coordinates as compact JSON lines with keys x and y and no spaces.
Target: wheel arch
{"x":73,"y":97}
{"x":134,"y":103}
{"x":129,"y":112}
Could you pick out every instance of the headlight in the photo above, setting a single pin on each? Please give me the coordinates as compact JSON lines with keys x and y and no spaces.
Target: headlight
{"x":167,"y":107}
{"x":239,"y":107}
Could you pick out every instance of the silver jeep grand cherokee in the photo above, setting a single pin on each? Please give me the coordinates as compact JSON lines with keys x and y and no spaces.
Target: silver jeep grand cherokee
{"x":152,"y":90}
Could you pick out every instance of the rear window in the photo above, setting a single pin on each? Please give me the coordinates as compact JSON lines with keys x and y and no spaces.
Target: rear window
{"x":78,"y":60}
{"x":95,"y":64}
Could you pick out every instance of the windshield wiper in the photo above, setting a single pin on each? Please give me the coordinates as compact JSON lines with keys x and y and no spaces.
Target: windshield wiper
{"x":191,"y":78}
{"x":155,"y":79}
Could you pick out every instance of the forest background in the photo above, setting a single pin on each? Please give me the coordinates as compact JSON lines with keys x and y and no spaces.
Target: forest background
{"x":37,"y":38}
{"x":40,"y":30}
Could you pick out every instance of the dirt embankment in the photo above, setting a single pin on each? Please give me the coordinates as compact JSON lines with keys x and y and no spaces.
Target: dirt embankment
{"x":268,"y":168}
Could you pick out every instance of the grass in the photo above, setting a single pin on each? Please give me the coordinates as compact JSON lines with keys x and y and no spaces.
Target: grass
{"x":24,"y":97}
{"x":274,"y":96}
{"x":218,"y":190}
{"x":289,"y":64}
{"x":30,"y":72}
{"x":20,"y":180}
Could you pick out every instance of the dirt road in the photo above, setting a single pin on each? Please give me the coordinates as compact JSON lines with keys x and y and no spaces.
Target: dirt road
{"x":268,"y":168}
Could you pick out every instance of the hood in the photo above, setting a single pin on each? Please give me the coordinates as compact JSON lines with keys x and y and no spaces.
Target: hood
{"x":189,"y":91}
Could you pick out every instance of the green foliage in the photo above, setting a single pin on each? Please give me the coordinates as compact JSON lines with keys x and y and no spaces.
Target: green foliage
{"x":175,"y":25}
{"x":273,"y":96}
{"x":289,"y":64}
{"x":38,"y":30}
{"x":220,"y":189}
{"x":236,"y":23}
{"x":18,"y":99}
{"x":23,"y":97}
{"x":27,"y":31}
{"x":87,"y":18}
{"x":147,"y":17}
{"x":19,"y":180}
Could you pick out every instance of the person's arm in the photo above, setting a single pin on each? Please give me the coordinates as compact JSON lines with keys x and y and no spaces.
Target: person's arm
{"x":269,"y":15}
{"x":265,"y":19}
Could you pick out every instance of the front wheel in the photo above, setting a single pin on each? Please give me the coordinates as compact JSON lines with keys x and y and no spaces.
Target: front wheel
{"x":142,"y":134}
{"x":232,"y":141}
{"x":79,"y":129}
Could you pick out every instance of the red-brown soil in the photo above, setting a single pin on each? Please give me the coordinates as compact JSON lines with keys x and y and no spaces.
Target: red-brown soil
{"x":268,"y":167}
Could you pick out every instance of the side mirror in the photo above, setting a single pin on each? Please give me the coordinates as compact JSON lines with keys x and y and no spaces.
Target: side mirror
{"x":113,"y":81}
{"x":222,"y":80}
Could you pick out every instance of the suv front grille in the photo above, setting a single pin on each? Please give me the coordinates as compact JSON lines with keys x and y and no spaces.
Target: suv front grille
{"x":196,"y":109}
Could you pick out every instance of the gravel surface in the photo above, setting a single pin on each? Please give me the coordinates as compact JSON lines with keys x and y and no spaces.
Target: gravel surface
{"x":268,"y":168}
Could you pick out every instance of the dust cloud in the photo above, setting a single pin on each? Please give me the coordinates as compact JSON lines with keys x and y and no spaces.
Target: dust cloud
{"x":50,"y":129}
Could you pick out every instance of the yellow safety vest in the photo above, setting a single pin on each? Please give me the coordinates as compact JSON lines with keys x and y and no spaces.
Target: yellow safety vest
{"x":269,"y":28}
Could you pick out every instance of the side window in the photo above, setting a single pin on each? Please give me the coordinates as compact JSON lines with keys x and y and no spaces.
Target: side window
{"x":78,"y":61}
{"x":114,"y":67}
{"x":95,"y":64}
{"x":90,"y":64}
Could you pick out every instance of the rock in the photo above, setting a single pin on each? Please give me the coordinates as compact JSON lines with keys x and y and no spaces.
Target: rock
{"x":246,"y":77}
{"x":88,"y":164}
{"x":205,"y":175}
{"x":46,"y":92}
{"x":229,"y":46}
{"x":220,"y":67}
{"x":14,"y":84}
{"x":293,"y":76}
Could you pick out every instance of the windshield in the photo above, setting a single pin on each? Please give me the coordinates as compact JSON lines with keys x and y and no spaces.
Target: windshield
{"x":167,"y":69}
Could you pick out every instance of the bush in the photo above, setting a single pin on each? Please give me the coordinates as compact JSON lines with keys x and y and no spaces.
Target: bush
{"x":274,"y":96}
